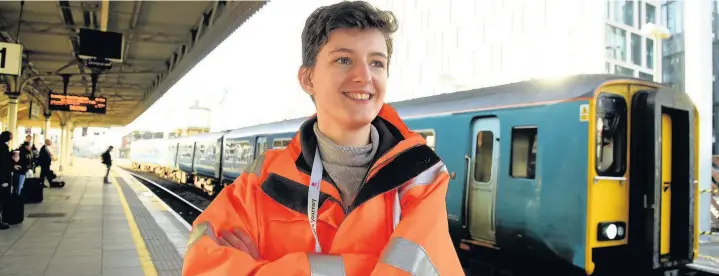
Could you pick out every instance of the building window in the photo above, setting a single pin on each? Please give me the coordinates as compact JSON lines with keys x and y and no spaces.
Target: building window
{"x":623,"y":71}
{"x":637,"y":49}
{"x":672,"y":15}
{"x":616,"y":43}
{"x":715,"y":20}
{"x":609,"y":10}
{"x":646,"y":76}
{"x":651,"y":14}
{"x":650,"y":53}
{"x":623,"y":12}
{"x":524,"y":152}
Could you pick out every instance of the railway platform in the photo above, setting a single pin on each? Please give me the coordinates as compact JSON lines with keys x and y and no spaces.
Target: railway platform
{"x":91,"y":228}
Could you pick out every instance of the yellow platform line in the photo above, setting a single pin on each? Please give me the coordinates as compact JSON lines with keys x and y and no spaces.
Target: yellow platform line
{"x":147,"y":266}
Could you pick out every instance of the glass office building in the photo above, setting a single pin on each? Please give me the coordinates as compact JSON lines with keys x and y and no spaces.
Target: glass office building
{"x":630,"y":52}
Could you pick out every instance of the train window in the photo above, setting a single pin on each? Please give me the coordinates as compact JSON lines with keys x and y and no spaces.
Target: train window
{"x":429,"y":136}
{"x":524,"y":152}
{"x":280,"y":143}
{"x":244,"y":152}
{"x":483,"y":161}
{"x":611,"y":135}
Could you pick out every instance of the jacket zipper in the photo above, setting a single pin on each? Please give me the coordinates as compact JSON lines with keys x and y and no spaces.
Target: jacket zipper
{"x":364,"y":180}
{"x":346,"y":211}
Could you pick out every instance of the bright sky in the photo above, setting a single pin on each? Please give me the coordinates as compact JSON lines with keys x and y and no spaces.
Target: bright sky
{"x":438,"y":49}
{"x":256,"y":63}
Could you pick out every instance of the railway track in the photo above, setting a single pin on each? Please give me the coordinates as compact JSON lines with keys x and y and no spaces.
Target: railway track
{"x":187,"y":204}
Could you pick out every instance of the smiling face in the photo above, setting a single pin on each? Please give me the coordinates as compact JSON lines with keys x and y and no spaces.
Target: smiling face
{"x":349,"y":78}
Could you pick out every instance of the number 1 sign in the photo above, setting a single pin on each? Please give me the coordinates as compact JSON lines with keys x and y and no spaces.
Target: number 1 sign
{"x":10,"y":58}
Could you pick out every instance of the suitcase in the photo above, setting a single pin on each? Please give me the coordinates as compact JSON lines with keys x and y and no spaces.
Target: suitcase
{"x":54,"y":182}
{"x":13,"y":209}
{"x":57,"y":184}
{"x":32,"y":190}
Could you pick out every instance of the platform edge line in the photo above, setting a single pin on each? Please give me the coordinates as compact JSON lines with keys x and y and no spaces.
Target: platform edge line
{"x":167,"y":207}
{"x":145,"y":260}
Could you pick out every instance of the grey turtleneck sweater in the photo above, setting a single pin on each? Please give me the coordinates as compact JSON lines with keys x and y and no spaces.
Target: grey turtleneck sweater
{"x":347,"y":166}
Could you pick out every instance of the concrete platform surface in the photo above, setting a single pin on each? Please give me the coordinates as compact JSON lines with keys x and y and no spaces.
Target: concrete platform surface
{"x":91,"y":228}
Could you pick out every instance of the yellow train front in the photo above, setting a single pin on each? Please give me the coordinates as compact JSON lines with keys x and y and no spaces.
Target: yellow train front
{"x":643,"y":211}
{"x":605,"y":183}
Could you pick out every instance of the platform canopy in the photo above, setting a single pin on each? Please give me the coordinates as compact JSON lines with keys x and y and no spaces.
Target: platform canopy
{"x":162,"y":41}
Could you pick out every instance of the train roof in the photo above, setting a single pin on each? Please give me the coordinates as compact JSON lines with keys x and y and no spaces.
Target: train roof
{"x":292,"y":125}
{"x":514,"y":94}
{"x":209,"y":135}
{"x":526,"y":92}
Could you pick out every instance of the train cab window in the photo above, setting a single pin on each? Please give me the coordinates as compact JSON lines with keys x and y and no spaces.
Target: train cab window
{"x":611,"y":135}
{"x":524,"y":152}
{"x":429,"y":136}
{"x":483,"y":162}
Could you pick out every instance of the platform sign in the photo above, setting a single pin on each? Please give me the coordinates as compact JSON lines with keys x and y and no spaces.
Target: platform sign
{"x":74,"y":103}
{"x":10,"y":58}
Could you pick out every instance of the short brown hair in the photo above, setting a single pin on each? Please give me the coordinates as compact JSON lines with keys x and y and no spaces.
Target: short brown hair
{"x":343,"y":15}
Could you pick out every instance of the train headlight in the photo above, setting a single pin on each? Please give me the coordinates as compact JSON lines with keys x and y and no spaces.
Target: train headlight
{"x":611,"y":231}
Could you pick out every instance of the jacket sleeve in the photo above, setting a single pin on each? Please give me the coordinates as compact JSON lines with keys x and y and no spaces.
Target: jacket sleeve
{"x":235,"y":207}
{"x":420,"y":244}
{"x":422,"y":230}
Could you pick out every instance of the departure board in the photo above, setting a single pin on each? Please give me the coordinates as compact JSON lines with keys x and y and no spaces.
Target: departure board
{"x":74,"y":103}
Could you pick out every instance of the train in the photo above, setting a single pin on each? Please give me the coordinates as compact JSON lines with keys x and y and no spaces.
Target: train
{"x":595,"y":174}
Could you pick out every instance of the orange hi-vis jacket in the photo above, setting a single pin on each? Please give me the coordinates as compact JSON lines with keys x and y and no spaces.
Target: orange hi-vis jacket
{"x":397,"y":224}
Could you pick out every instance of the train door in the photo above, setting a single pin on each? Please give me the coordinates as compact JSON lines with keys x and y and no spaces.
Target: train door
{"x":663,"y":152}
{"x":482,"y":178}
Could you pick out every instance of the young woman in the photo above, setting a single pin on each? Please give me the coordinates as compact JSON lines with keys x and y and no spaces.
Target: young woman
{"x":355,"y":193}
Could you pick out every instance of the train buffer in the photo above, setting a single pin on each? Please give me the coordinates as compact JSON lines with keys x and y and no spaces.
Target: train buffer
{"x":91,"y":228}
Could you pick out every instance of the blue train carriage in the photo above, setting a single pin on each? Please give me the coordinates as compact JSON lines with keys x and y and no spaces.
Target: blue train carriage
{"x":206,"y":160}
{"x":244,"y":145}
{"x":171,"y":166}
{"x":148,"y":155}
{"x":541,"y":170}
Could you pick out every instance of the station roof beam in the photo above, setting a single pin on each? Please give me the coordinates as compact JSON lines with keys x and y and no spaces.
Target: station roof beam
{"x":163,"y":40}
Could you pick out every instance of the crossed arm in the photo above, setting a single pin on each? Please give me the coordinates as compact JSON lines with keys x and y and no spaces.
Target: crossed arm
{"x":231,"y":249}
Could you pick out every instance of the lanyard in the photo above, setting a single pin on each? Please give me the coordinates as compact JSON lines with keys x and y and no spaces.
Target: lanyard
{"x":313,"y":196}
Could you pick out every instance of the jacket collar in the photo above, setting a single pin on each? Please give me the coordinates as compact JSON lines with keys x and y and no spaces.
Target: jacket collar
{"x":390,"y":127}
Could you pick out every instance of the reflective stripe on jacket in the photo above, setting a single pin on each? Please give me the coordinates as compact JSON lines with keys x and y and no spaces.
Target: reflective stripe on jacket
{"x":269,"y":203}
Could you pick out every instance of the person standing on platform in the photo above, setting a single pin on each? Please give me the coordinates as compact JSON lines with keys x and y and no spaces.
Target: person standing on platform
{"x":45,"y":161}
{"x":107,"y":160}
{"x":33,"y":150}
{"x":28,"y":139}
{"x":26,"y":163}
{"x":7,"y":165}
{"x":354,"y":193}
